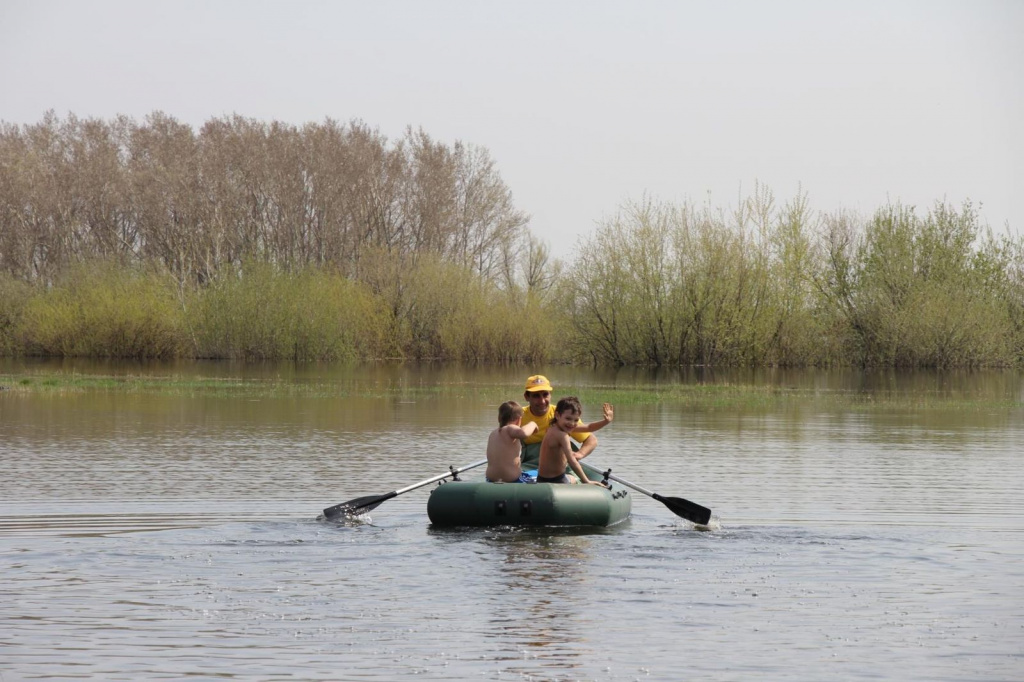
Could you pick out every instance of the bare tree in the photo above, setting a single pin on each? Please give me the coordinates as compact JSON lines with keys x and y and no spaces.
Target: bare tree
{"x":240,"y":188}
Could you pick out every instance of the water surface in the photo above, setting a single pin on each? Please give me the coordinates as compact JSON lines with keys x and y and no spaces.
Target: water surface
{"x":156,"y":536}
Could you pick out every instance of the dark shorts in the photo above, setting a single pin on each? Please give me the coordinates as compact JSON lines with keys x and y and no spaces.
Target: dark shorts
{"x":553,"y":479}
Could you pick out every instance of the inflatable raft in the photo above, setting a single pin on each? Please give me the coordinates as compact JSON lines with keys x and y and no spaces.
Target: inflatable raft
{"x":472,"y":503}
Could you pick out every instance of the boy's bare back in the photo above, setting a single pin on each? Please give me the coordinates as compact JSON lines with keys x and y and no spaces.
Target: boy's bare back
{"x":503,"y":451}
{"x":503,"y":445}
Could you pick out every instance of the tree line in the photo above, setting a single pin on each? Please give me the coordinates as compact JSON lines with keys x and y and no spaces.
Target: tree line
{"x":208,"y":208}
{"x":329,"y":241}
{"x":323,"y":194}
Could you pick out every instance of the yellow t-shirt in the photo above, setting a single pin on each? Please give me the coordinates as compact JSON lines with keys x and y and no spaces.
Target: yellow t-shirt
{"x":542,"y":426}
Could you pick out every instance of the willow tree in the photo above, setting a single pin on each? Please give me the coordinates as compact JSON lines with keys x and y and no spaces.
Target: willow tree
{"x":664,"y":284}
{"x":934,"y":290}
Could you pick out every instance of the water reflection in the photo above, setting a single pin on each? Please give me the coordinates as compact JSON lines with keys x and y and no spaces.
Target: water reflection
{"x":547,"y":574}
{"x":949,"y":384}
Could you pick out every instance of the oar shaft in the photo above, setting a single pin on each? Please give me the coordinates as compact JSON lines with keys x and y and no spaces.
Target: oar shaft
{"x":691,"y":511}
{"x":447,"y":474}
{"x":368,"y":502}
{"x":623,"y":481}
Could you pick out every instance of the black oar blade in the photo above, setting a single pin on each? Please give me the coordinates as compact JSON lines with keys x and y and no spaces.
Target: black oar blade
{"x":360,"y":505}
{"x":691,"y":511}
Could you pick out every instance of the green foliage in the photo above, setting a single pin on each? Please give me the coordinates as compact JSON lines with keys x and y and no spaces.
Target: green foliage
{"x":776,"y":286}
{"x":440,"y":310}
{"x":1011,"y":252}
{"x":658,"y":284}
{"x":667,"y":285}
{"x":103,"y":310}
{"x":926,"y":292}
{"x":496,"y":326}
{"x":260,"y":312}
{"x":14,"y":294}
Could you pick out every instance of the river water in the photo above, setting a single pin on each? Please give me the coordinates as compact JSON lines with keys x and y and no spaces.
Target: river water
{"x":155,"y":535}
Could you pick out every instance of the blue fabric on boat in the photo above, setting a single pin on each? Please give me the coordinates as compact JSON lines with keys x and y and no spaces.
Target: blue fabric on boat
{"x":525,"y":477}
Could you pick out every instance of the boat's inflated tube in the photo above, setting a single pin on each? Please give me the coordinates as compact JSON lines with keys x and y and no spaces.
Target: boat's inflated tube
{"x":466,"y":503}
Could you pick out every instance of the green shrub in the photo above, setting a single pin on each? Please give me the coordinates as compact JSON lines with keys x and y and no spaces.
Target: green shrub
{"x":491,"y":325}
{"x":260,"y":312}
{"x":101,"y":309}
{"x":669,"y":285}
{"x":928,"y":292}
{"x":443,"y":311}
{"x":14,"y":296}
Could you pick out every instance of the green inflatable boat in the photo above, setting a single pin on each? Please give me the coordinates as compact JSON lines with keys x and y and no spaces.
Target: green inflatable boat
{"x":479,"y":503}
{"x":472,"y":503}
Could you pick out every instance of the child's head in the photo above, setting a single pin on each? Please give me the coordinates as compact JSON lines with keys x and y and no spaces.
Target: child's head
{"x":509,"y":412}
{"x":569,"y":403}
{"x":568,"y":411}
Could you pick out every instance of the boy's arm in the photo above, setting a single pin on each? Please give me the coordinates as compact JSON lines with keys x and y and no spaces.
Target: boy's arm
{"x":570,"y":457}
{"x":609,"y":416}
{"x":520,"y":432}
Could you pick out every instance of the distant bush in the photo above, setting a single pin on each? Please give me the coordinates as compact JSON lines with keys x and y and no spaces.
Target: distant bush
{"x":673,"y":285}
{"x":444,"y":311}
{"x":932,"y":291}
{"x":261,"y":313}
{"x":14,"y":295}
{"x":325,"y":241}
{"x":104,"y":310}
{"x":501,"y":327}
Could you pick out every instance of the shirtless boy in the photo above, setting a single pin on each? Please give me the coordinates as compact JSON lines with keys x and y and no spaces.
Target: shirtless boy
{"x":505,"y":444}
{"x":556,"y":451}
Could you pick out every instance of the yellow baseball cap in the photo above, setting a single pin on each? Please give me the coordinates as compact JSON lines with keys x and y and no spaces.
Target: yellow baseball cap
{"x":538,"y":383}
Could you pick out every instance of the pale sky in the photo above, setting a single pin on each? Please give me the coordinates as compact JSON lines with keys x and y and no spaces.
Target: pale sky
{"x":583,"y":105}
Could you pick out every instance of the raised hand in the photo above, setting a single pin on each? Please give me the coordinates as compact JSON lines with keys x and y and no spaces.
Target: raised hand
{"x":609,"y":411}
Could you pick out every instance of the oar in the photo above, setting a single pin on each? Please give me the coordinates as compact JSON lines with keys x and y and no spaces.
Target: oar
{"x":691,"y":511}
{"x":361,"y":505}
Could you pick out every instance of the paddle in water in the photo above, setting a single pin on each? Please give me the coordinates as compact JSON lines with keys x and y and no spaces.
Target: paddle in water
{"x":361,"y":505}
{"x":691,"y":511}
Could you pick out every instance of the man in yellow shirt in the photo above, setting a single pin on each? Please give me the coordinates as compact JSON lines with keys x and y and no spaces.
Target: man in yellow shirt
{"x":541,"y":412}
